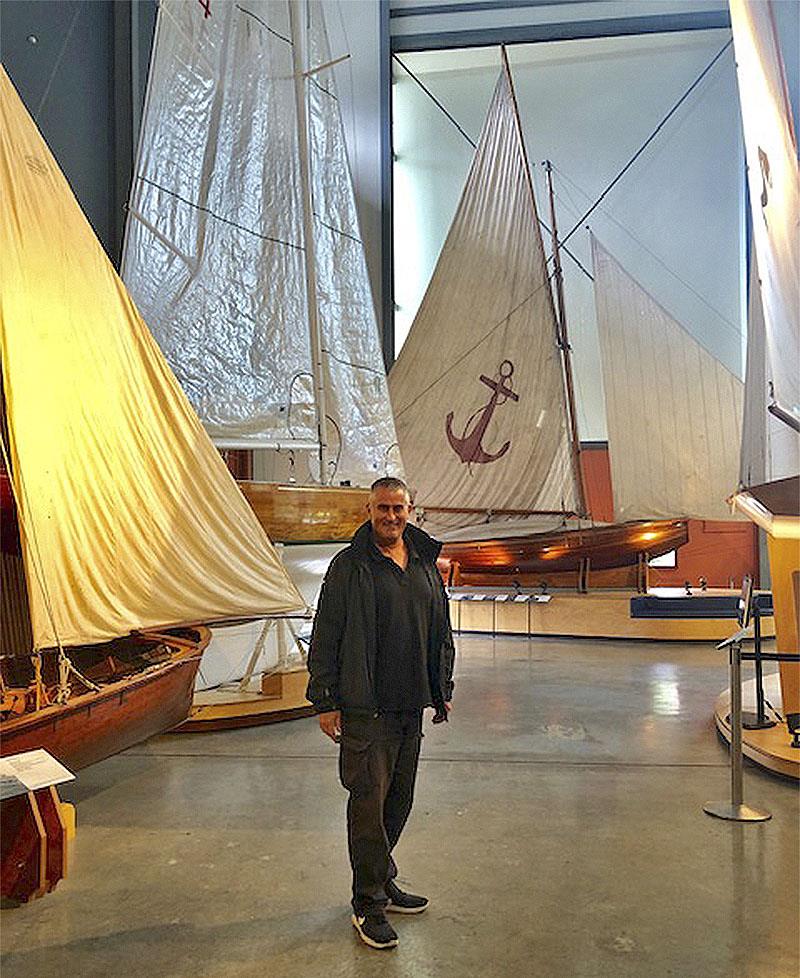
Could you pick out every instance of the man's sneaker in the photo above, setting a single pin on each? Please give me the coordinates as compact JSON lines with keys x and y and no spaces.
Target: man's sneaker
{"x":374,"y":929}
{"x":400,"y":902}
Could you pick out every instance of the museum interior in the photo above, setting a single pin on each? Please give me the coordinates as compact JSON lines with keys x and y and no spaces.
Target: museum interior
{"x":377,"y":363}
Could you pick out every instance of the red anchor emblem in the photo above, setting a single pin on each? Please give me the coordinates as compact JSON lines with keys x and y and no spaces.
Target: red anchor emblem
{"x":468,"y":447}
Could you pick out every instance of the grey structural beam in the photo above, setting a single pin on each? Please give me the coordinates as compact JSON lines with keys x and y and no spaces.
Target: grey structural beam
{"x":563,"y":31}
{"x":387,"y":222}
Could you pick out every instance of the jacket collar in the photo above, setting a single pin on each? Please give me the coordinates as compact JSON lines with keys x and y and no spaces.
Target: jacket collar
{"x":423,"y":543}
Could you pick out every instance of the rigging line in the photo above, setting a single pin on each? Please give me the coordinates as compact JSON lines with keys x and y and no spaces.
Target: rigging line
{"x":350,"y":89}
{"x":57,"y":63}
{"x":355,"y":366}
{"x":475,"y":346}
{"x":334,"y":466}
{"x":335,"y":230}
{"x":436,"y":102}
{"x":723,"y":319}
{"x":567,"y":251}
{"x":265,"y":24}
{"x":651,"y":137}
{"x":217,"y":217}
{"x":474,"y":145}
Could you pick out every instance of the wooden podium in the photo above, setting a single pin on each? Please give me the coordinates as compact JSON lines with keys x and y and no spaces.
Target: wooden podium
{"x":33,"y":843}
{"x":35,"y":826}
{"x":775,"y":507}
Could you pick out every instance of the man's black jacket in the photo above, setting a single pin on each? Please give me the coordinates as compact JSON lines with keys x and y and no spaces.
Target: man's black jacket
{"x":344,"y":640}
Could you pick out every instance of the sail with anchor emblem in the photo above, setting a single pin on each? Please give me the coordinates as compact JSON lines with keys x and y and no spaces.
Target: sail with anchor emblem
{"x":478,"y":389}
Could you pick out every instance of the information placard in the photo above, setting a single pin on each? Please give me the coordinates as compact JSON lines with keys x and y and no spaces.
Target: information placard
{"x":29,"y":771}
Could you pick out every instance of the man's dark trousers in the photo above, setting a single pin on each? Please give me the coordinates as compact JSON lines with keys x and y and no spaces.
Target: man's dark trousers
{"x":378,"y":766}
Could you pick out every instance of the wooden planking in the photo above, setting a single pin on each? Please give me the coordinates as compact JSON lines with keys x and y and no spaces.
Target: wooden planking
{"x":93,"y":726}
{"x":769,"y":748}
{"x":543,"y":554}
{"x":307,"y":514}
{"x":784,"y":562}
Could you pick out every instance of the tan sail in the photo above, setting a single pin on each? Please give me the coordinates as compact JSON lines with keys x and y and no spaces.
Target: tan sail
{"x":774,"y":184}
{"x":674,"y":412}
{"x":478,"y":390}
{"x":129,"y":517}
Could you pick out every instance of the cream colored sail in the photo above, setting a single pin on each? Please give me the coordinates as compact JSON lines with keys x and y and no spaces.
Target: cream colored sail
{"x":478,"y":390}
{"x":129,"y":516}
{"x":215,"y":242}
{"x":758,"y":425}
{"x":674,"y":412}
{"x":774,"y":184}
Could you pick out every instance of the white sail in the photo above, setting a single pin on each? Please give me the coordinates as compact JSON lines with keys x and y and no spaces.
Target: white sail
{"x":129,"y":518}
{"x":774,"y":185}
{"x":674,"y":412}
{"x":758,"y":425}
{"x":478,"y":389}
{"x":356,"y":386}
{"x":214,"y":246}
{"x":215,"y":243}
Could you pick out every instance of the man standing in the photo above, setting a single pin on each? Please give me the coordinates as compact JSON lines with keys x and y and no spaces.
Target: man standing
{"x":381,"y":651}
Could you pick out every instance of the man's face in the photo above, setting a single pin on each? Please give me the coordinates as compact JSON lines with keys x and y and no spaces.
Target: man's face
{"x":389,"y":510}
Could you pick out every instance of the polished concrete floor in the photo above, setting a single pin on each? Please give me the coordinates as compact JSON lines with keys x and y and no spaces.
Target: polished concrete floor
{"x":558,"y":831}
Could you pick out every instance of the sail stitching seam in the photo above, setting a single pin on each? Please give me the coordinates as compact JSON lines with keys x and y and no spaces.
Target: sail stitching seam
{"x":335,"y":230}
{"x":218,"y":217}
{"x":349,"y":363}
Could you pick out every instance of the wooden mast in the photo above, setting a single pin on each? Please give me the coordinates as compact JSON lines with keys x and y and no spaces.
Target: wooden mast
{"x":560,"y":320}
{"x":563,"y":345}
{"x":320,"y":405}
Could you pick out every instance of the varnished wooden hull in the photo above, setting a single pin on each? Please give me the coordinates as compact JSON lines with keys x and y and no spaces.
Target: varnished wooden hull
{"x":546,"y":556}
{"x":94,"y":725}
{"x":307,"y":514}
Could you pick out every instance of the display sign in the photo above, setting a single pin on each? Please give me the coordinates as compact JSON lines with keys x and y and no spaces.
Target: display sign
{"x":29,"y":771}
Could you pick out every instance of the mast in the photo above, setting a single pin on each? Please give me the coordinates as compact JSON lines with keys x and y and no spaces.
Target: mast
{"x":317,"y":367}
{"x":560,"y":319}
{"x":563,"y":345}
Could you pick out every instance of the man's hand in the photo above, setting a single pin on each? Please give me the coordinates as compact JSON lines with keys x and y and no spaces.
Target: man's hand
{"x":440,"y":716}
{"x":331,"y":725}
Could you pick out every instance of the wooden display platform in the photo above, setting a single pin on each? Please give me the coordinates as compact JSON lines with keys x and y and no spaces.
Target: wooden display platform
{"x":769,"y":748}
{"x":597,"y":614}
{"x":282,"y":697}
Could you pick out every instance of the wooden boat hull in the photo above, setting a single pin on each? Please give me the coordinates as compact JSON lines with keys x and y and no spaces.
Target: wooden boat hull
{"x":307,"y":514}
{"x":94,"y":725}
{"x":536,"y":557}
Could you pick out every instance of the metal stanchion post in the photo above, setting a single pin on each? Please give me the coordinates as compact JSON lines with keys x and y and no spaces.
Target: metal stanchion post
{"x":736,"y":810}
{"x":757,"y":720}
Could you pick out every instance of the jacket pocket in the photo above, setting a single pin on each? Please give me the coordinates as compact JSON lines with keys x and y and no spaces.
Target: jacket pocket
{"x":354,"y":765}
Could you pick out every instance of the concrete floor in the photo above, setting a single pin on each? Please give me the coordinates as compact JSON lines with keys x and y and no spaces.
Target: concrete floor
{"x":558,"y":831}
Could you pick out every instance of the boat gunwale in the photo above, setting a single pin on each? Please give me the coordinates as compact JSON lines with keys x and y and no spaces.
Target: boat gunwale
{"x":119,"y":687}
